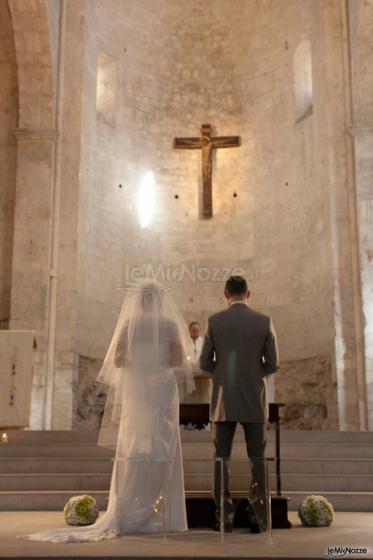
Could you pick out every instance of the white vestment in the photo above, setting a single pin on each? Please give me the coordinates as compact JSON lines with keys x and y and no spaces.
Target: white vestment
{"x":202,"y":392}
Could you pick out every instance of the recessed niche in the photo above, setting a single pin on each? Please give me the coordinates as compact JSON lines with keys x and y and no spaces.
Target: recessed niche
{"x":303,"y":89}
{"x":106,"y":89}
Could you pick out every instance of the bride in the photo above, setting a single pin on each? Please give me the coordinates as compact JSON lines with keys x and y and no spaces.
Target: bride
{"x":146,"y":369}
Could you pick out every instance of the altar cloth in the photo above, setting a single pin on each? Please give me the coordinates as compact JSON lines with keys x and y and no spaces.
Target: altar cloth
{"x":16,"y":361}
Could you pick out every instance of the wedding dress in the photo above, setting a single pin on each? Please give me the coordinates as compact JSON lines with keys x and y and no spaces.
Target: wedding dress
{"x":147,"y":371}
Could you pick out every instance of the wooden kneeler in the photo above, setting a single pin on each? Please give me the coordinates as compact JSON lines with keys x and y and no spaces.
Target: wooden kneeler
{"x":200,"y":505}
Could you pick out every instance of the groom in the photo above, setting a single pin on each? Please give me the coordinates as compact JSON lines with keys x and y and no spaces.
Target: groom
{"x":240,"y":350}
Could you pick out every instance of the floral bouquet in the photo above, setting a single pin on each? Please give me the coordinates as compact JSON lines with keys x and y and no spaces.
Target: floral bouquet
{"x":315,"y":511}
{"x":81,"y":510}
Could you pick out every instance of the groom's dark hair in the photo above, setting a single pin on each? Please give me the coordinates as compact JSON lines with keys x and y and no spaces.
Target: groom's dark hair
{"x":236,"y":286}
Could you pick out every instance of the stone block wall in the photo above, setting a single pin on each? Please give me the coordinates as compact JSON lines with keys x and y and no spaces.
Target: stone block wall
{"x":8,"y":157}
{"x":90,"y":397}
{"x":181,"y":64}
{"x":309,"y":392}
{"x":285,"y":210}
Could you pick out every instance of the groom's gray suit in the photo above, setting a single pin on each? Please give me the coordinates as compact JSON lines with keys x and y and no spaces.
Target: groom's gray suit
{"x":240,"y":349}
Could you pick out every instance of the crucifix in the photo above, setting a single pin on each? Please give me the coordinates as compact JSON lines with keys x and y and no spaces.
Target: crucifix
{"x":206,"y":143}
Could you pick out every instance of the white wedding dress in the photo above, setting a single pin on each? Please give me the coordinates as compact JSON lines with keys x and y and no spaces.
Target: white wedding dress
{"x":143,"y":368}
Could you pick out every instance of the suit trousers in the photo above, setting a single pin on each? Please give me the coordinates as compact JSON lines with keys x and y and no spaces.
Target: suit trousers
{"x":255,"y":437}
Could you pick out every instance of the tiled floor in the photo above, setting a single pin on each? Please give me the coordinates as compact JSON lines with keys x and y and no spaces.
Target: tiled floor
{"x":348,"y":529}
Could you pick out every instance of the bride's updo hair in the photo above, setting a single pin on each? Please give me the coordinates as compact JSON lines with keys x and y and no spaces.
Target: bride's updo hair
{"x":151,"y":296}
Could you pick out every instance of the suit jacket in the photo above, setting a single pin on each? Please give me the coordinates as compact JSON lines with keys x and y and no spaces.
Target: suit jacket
{"x":239,"y":349}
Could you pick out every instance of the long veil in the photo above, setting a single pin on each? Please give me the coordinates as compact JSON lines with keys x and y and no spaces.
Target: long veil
{"x":149,"y":348}
{"x":147,"y":371}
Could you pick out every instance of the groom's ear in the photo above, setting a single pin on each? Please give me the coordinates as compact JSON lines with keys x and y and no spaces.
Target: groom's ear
{"x":248,"y":294}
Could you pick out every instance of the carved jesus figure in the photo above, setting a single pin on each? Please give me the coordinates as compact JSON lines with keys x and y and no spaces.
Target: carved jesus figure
{"x":207,"y":143}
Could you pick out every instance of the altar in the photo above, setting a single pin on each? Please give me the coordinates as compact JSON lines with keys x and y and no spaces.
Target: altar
{"x":16,"y":360}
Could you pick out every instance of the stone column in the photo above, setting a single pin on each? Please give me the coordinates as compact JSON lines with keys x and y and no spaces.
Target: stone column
{"x":68,"y":162}
{"x":36,"y":139}
{"x":349,"y":350}
{"x":44,"y":283}
{"x":8,"y":157}
{"x":31,"y":249}
{"x":363,"y":144}
{"x":360,"y":27}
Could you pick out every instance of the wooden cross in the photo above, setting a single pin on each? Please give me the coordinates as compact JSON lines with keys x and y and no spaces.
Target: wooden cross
{"x":206,"y":143}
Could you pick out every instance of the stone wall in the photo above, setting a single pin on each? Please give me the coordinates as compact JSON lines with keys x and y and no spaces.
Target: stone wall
{"x":309,"y":392}
{"x":90,"y":397}
{"x":285,"y":212}
{"x":181,"y":64}
{"x":360,"y":16}
{"x":8,"y":157}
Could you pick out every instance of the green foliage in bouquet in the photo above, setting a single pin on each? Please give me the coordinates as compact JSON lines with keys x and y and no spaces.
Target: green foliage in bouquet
{"x":81,"y":510}
{"x":315,"y":511}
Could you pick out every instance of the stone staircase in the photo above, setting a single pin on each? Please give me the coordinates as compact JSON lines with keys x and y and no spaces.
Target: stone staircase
{"x":41,"y":470}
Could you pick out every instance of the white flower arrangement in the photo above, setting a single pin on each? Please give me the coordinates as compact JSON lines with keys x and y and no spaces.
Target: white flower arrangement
{"x":81,"y":510}
{"x":316,"y":511}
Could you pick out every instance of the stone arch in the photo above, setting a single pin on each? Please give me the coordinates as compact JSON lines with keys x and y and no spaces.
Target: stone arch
{"x":34,"y":63}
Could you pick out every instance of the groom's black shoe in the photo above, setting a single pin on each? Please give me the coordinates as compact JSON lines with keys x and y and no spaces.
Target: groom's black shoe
{"x":228,"y":527}
{"x":257,"y":519}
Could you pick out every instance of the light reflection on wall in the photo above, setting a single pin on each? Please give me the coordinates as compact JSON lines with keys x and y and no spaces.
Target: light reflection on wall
{"x":146,"y":200}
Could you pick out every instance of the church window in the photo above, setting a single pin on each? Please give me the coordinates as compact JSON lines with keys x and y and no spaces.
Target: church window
{"x":303,"y":92}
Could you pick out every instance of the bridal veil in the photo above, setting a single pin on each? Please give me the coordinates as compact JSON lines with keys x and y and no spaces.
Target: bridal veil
{"x":147,"y":373}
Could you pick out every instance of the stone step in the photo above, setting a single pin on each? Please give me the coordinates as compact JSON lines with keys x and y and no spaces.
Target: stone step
{"x":310,"y":466}
{"x":191,"y":450}
{"x":48,"y":465}
{"x":341,"y":501}
{"x":77,"y":451}
{"x":55,"y":501}
{"x":304,"y":437}
{"x":45,"y":468}
{"x":46,"y":500}
{"x":290,"y":482}
{"x":47,"y":437}
{"x":49,"y":482}
{"x":314,"y":466}
{"x":290,"y":451}
{"x":193,"y":482}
